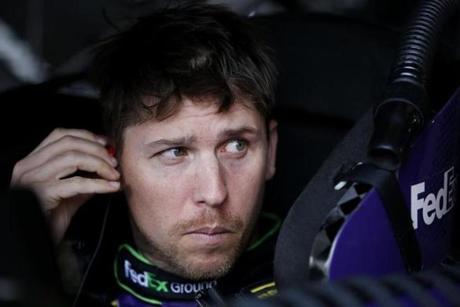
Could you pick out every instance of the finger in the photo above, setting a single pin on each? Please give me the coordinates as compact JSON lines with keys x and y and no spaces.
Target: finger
{"x":73,"y":186}
{"x":30,"y":162}
{"x":60,"y":146}
{"x":61,"y":132}
{"x":68,"y":163}
{"x":53,"y":194}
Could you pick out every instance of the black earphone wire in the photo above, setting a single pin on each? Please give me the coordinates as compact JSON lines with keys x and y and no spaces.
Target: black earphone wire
{"x":93,"y":257}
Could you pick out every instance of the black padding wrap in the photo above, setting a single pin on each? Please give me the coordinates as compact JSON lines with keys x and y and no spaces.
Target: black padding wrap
{"x":307,"y":214}
{"x":387,"y":185}
{"x":420,"y":289}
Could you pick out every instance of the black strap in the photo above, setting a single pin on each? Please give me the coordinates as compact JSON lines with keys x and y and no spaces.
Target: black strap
{"x":209,"y":297}
{"x":412,"y":290}
{"x":377,"y":293}
{"x":445,"y":287}
{"x":337,"y":295}
{"x":387,"y":185}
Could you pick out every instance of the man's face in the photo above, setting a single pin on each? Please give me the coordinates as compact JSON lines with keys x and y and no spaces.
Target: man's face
{"x":194,"y":184}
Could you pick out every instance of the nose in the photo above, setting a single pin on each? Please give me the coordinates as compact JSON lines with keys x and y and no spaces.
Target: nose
{"x":210,"y":185}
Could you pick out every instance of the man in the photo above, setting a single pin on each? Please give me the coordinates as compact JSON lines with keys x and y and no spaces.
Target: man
{"x":187,"y":93}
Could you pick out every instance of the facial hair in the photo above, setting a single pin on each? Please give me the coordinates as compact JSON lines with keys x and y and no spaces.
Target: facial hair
{"x":172,"y":258}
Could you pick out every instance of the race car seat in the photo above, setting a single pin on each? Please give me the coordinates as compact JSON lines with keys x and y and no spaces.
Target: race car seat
{"x":383,"y":201}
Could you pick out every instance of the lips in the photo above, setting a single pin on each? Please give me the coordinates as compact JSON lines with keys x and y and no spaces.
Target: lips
{"x":210,"y":230}
{"x":209,"y":237}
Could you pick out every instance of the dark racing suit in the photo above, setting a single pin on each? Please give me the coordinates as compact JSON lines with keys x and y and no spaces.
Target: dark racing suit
{"x":111,"y":272}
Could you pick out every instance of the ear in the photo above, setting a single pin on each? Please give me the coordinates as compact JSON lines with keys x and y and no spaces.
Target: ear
{"x":271,"y":152}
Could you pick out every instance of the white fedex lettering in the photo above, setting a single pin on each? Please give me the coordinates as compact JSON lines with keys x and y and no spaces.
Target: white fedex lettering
{"x":191,"y":288}
{"x":432,"y":205}
{"x":137,"y":278}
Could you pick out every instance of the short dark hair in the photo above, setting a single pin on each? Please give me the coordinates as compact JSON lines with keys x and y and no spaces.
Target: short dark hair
{"x":191,"y":50}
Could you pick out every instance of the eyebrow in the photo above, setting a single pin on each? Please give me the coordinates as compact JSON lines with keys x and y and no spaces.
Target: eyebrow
{"x":229,"y":133}
{"x":173,"y":142}
{"x":189,"y":139}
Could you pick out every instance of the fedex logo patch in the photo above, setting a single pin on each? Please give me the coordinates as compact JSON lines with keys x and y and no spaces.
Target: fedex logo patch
{"x":426,"y":206}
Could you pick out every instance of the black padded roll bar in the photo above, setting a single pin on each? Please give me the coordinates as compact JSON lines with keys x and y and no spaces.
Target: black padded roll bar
{"x":401,"y":114}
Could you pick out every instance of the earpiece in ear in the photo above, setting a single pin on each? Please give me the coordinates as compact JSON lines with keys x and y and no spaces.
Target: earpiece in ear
{"x":111,"y":150}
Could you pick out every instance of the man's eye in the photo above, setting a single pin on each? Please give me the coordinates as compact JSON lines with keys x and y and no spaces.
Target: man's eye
{"x":236,"y":146}
{"x":173,"y":153}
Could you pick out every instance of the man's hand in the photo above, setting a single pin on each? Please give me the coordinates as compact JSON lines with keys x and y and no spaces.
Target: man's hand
{"x":48,"y":170}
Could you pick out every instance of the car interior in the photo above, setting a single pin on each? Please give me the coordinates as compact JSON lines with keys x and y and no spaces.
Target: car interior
{"x":369,"y":213}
